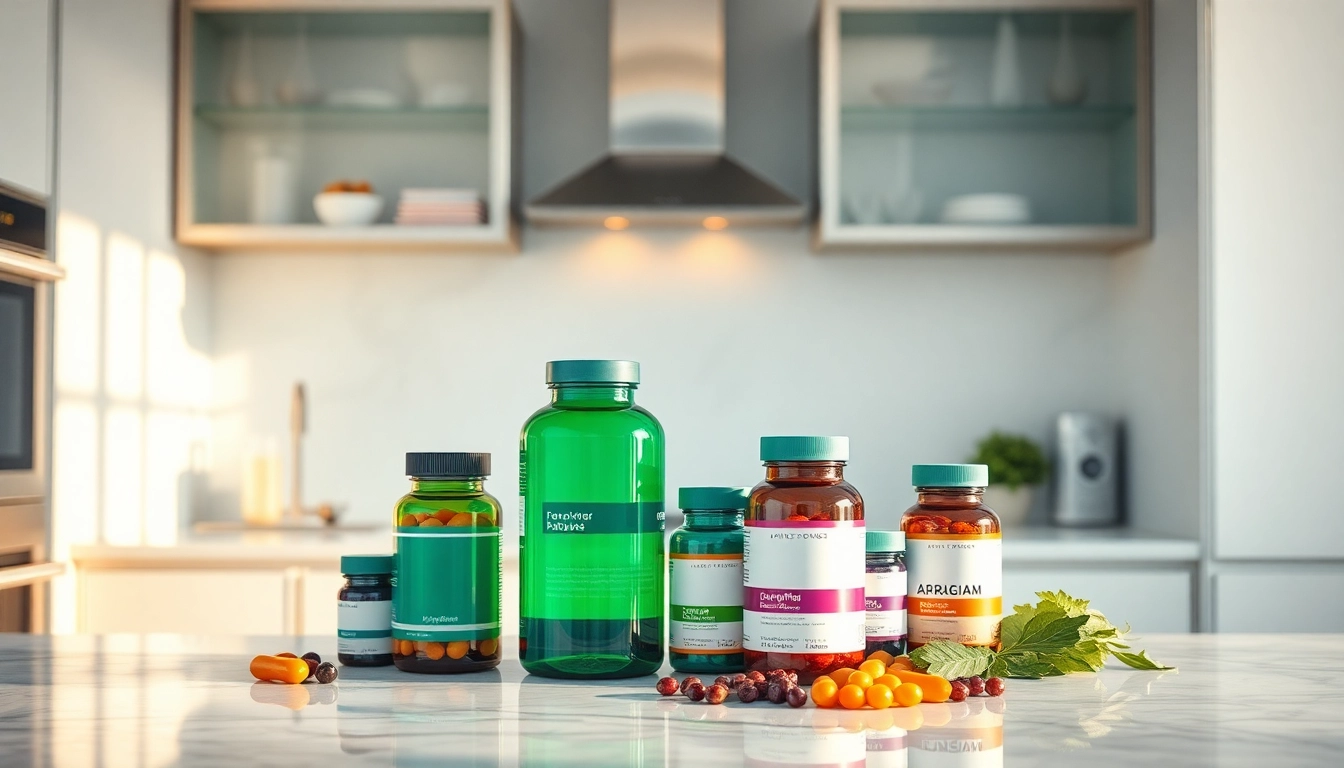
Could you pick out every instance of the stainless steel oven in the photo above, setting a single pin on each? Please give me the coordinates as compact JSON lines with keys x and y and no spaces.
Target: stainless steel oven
{"x":26,"y":280}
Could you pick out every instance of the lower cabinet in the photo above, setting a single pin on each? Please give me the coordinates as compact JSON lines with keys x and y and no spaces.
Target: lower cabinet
{"x":200,"y":601}
{"x":1295,"y":598}
{"x":1148,"y":599}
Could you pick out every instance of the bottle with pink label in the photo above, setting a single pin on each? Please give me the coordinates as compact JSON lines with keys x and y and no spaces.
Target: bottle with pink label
{"x":803,"y":560}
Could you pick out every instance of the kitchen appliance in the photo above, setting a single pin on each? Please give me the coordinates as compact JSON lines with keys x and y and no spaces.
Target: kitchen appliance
{"x":1087,"y":470}
{"x":25,"y":299}
{"x":666,"y":163}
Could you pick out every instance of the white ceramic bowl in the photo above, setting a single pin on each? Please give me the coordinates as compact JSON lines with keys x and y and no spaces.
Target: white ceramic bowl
{"x":987,"y":208}
{"x":347,"y":209}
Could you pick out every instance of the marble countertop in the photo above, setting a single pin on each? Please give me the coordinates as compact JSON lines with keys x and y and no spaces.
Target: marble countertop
{"x":323,"y":549}
{"x":170,"y":700}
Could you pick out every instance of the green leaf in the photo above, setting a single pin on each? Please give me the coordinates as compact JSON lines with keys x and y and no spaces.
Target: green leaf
{"x":1049,"y":631}
{"x":1070,"y":605}
{"x":1022,"y":665}
{"x":1086,"y":656}
{"x":1139,"y":660}
{"x":951,"y":660}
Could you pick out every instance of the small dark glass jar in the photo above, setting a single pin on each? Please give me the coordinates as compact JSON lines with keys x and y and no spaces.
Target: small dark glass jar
{"x":704,"y":577}
{"x":884,"y":592}
{"x":364,"y":611}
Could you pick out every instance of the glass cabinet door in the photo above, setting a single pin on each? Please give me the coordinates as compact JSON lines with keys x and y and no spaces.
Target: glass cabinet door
{"x":977,"y":126}
{"x":398,"y":105}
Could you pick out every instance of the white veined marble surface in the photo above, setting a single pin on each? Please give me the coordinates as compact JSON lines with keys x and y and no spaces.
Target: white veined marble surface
{"x":1264,"y":700}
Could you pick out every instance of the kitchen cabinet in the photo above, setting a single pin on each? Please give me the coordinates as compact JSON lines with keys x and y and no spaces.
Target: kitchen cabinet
{"x":1148,"y":598}
{"x":277,"y":100}
{"x":208,"y":601}
{"x":985,"y":123}
{"x":26,"y":33}
{"x":1288,"y":598}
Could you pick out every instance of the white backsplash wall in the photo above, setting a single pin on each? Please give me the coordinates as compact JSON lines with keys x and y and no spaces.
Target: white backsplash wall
{"x":739,"y":334}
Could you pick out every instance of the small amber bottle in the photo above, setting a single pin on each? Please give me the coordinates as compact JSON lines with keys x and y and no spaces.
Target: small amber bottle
{"x":954,"y":557}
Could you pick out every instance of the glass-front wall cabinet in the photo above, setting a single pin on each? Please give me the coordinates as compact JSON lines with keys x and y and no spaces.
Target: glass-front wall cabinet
{"x":980,"y":123}
{"x":304,"y":123}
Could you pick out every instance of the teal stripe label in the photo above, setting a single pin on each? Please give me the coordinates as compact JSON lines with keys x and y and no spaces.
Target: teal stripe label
{"x":599,"y":517}
{"x":706,"y":614}
{"x":364,"y":632}
{"x":446,"y":584}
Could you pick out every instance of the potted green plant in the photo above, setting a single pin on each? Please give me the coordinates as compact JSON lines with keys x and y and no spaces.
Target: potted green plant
{"x":1017,"y":467}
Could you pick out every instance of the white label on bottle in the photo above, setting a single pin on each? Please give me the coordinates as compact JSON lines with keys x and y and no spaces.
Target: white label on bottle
{"x":705,"y":597}
{"x":955,"y":588}
{"x":884,"y":597}
{"x":804,"y":584}
{"x":364,"y":627}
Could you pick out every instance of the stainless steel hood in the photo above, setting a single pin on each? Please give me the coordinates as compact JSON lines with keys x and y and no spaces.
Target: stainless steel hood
{"x":666,"y":161}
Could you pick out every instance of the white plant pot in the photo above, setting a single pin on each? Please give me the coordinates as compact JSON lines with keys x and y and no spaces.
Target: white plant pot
{"x":1011,"y":506}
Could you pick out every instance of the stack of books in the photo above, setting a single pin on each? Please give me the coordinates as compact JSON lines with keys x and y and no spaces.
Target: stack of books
{"x":440,"y":207}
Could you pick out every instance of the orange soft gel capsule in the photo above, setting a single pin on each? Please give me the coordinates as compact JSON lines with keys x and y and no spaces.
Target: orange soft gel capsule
{"x":279,"y":669}
{"x":852,"y":697}
{"x":825,"y":692}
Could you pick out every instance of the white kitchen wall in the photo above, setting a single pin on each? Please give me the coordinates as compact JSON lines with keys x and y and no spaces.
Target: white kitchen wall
{"x":132,"y":338}
{"x":742,"y":333}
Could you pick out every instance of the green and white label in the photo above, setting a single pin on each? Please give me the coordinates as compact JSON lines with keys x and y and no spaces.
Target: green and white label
{"x":446,"y":586}
{"x":571,"y":518}
{"x":364,"y":627}
{"x":706,"y":604}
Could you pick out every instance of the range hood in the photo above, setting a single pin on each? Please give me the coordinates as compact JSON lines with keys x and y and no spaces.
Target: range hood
{"x":665,"y":163}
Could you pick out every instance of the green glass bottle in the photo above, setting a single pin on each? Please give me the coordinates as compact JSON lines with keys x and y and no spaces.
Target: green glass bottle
{"x":590,"y":476}
{"x":704,"y":581}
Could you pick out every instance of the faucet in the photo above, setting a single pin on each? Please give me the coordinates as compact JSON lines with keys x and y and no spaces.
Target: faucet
{"x":298,"y":424}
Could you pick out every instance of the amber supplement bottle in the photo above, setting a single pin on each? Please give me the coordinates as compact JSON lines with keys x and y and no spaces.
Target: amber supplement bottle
{"x":803,"y":560}
{"x":954,"y":556}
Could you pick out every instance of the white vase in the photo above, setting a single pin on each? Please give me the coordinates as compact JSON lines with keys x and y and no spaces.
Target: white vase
{"x":1012,"y":506}
{"x":1067,"y":84}
{"x":1005,"y":82}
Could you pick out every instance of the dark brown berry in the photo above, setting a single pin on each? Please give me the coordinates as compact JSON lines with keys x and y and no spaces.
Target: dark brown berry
{"x":724,"y":680}
{"x":796,"y":697}
{"x":738,"y":679}
{"x":994,"y":686}
{"x":312,"y":656}
{"x":762,"y":689}
{"x":976,"y":685}
{"x":756,"y":676}
{"x":668,"y":686}
{"x":959,"y":691}
{"x":326,"y":672}
{"x":716,"y":694}
{"x":695,"y":691}
{"x":776,"y":692}
{"x":686,"y":683}
{"x":312,"y":666}
{"x":747,"y":693}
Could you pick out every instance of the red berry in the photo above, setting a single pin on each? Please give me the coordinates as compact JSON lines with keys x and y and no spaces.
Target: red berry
{"x":756,"y":676}
{"x":667,"y":686}
{"x":747,"y":693}
{"x":796,"y":697}
{"x":695,"y":691}
{"x":776,"y":692}
{"x":959,"y":691}
{"x":724,"y":680}
{"x":716,"y":693}
{"x":994,"y":686}
{"x":977,"y":685}
{"x":737,"y":680}
{"x":687,"y":683}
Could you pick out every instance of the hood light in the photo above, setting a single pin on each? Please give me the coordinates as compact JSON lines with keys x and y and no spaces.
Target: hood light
{"x":616,"y":223}
{"x":715,"y":223}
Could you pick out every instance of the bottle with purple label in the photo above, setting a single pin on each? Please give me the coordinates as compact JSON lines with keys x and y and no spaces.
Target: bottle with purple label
{"x":802,"y":560}
{"x":884,"y":592}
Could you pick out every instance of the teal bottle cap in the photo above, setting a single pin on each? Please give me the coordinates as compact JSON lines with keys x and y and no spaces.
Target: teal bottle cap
{"x":712,"y":497}
{"x":804,"y":448}
{"x":885,"y":541}
{"x":592,"y":372}
{"x":366,"y":565}
{"x":950,"y":475}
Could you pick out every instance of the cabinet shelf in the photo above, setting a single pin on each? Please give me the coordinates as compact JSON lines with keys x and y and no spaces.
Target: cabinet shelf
{"x":325,"y":117}
{"x":390,"y":236}
{"x":985,"y":118}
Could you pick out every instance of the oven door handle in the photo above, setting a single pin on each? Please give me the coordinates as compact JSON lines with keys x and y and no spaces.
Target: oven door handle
{"x":23,"y":575}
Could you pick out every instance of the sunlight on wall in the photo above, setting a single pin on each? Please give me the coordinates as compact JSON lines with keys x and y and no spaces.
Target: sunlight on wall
{"x":132,"y":395}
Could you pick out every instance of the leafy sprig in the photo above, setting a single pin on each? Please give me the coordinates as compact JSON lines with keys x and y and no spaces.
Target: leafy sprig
{"x":1057,"y":636}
